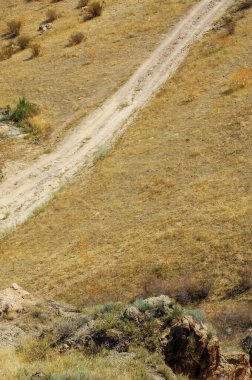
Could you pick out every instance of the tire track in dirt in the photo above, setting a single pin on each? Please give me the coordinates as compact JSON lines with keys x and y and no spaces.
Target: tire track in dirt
{"x":21,"y":193}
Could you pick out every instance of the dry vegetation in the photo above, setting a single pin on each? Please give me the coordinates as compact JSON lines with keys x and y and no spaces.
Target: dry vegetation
{"x":86,"y":73}
{"x":79,"y":366}
{"x":173,"y":198}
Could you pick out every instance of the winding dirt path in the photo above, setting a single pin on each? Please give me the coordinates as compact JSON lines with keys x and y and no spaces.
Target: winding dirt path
{"x":22,"y":193}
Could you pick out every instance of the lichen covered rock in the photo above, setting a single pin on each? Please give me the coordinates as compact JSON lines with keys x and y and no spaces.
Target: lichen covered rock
{"x":14,"y":299}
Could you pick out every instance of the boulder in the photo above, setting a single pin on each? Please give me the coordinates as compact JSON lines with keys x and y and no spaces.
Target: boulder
{"x":14,"y":299}
{"x":46,"y":26}
{"x":233,"y":366}
{"x":187,"y":349}
{"x":132,"y":313}
{"x":10,"y":334}
{"x":246,"y":344}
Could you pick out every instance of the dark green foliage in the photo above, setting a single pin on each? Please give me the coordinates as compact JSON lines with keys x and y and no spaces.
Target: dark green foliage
{"x":23,"y":110}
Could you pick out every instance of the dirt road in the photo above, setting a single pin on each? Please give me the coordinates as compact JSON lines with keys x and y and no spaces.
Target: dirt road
{"x":22,"y":193}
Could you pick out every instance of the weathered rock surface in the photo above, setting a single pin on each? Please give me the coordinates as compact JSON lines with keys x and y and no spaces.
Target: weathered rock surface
{"x":14,"y":299}
{"x":233,"y":366}
{"x":9,"y":334}
{"x":246,"y":344}
{"x":46,"y":26}
{"x":188,"y":350}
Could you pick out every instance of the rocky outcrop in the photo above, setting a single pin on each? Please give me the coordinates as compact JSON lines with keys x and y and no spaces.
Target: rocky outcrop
{"x":10,"y":334}
{"x":158,"y":324}
{"x":188,"y":349}
{"x":14,"y":299}
{"x":246,"y":344}
{"x":155,"y":323}
{"x":233,"y":366}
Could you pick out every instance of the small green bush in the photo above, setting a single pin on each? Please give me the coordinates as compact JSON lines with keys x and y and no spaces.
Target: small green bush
{"x":197,"y":314}
{"x":23,"y":110}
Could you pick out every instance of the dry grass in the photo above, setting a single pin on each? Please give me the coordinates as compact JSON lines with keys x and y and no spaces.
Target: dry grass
{"x":76,"y":366}
{"x":174,"y":194}
{"x":193,"y":287}
{"x":114,"y":56}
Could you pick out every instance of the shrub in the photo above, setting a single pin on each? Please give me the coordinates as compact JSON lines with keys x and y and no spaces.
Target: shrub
{"x":244,"y":283}
{"x":6,"y":52}
{"x":52,"y":15}
{"x":231,"y":317}
{"x":14,"y":28}
{"x":76,"y":38}
{"x":65,"y":329}
{"x":191,"y":288}
{"x":23,"y":110}
{"x":23,"y":42}
{"x":94,"y":10}
{"x":82,"y":4}
{"x":229,"y":25}
{"x":36,"y":50}
{"x":199,"y":315}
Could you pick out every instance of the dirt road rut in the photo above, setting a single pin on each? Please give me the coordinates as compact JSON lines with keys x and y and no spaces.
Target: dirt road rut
{"x":22,"y":193}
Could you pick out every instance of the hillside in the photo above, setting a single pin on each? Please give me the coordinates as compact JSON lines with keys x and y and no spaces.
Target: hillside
{"x":140,"y":341}
{"x":168,"y":208}
{"x":68,"y":82}
{"x":173,"y":197}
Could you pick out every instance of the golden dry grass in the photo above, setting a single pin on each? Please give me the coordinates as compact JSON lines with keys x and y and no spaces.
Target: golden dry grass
{"x":174,"y":193}
{"x":78,"y":366}
{"x":68,"y":82}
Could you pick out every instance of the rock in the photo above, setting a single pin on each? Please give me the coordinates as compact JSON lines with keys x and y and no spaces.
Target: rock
{"x":188,"y":350}
{"x":10,"y":334}
{"x":14,"y":299}
{"x":8,"y":130}
{"x":132,"y":313}
{"x":246,"y":344}
{"x":46,"y":26}
{"x":233,"y":366}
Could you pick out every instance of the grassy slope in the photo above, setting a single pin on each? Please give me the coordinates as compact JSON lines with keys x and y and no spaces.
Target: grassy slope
{"x":60,"y":81}
{"x":175,"y":192}
{"x":77,"y":366}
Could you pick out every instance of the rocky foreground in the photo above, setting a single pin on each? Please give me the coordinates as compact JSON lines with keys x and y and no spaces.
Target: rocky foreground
{"x":187,"y":345}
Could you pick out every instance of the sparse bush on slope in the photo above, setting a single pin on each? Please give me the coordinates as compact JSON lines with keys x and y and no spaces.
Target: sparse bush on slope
{"x":14,"y":28}
{"x":23,"y":110}
{"x":23,"y":42}
{"x":6,"y":52}
{"x":76,"y":38}
{"x":36,"y":50}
